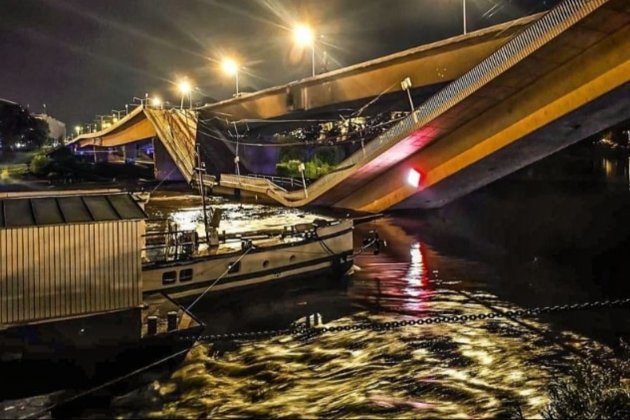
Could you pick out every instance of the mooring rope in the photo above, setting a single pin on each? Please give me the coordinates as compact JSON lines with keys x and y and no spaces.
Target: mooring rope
{"x":75,"y":397}
{"x":227,"y":270}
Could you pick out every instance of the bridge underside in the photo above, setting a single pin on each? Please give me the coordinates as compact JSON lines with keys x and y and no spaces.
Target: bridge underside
{"x":579,"y":80}
{"x":595,"y":117}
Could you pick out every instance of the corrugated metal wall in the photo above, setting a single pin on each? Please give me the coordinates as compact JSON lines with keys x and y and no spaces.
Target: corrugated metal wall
{"x":64,"y":270}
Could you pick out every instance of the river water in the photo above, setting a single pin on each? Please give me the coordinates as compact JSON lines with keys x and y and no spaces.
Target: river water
{"x":538,"y":238}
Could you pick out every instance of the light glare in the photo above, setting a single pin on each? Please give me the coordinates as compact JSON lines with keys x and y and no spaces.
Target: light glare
{"x":413,"y":178}
{"x":303,"y":35}
{"x":229,"y":67}
{"x":184,"y":87}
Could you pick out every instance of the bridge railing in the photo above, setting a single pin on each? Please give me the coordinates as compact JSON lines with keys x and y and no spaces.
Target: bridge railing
{"x":288,"y":182}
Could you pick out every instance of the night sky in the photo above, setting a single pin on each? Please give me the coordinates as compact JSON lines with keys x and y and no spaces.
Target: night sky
{"x":87,"y":57}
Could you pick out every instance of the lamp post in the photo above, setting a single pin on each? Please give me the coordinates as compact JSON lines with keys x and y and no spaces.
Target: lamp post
{"x":102,"y":118}
{"x":118,"y":112}
{"x":304,"y":36}
{"x":230,"y":67}
{"x":464,"y":14}
{"x":185,"y":88}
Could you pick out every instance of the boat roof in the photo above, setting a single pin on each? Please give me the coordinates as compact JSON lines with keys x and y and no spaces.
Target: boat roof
{"x":62,"y":210}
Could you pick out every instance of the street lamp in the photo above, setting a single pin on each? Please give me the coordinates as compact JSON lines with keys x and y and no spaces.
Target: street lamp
{"x":304,"y":36}
{"x":78,"y":129}
{"x":102,"y":117}
{"x":185,"y":88}
{"x":230,"y":67}
{"x":118,"y":112}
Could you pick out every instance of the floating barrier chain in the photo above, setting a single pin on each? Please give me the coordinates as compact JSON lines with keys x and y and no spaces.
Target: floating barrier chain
{"x":384,"y":326}
{"x":305,"y":332}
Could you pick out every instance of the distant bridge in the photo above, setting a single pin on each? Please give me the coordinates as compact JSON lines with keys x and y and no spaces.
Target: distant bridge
{"x":518,"y":92}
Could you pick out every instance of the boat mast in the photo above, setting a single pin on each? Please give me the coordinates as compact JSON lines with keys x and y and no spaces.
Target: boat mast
{"x":202,"y":189}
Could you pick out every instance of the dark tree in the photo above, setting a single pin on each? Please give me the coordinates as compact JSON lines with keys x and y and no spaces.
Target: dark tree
{"x":17,"y":126}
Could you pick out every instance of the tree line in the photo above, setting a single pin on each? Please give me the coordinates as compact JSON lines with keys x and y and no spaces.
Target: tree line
{"x":19,"y":129}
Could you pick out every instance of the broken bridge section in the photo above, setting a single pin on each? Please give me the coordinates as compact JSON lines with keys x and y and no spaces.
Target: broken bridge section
{"x":563,"y":78}
{"x":173,"y":133}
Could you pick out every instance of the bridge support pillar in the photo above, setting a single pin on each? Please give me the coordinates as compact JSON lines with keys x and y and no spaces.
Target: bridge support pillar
{"x":130,"y":153}
{"x":100,"y":154}
{"x":165,"y":168}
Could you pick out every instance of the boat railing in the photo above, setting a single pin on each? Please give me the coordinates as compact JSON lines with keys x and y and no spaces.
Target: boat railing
{"x":176,"y":245}
{"x":181,"y":245}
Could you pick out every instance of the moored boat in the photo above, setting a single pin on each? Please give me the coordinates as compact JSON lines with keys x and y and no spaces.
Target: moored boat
{"x":187,"y":267}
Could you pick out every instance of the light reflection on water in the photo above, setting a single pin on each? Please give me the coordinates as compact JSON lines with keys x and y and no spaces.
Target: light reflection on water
{"x":478,"y":369}
{"x":186,"y":211}
{"x":616,"y":171}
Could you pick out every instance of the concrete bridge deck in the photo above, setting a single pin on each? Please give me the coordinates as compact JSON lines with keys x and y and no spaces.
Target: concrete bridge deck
{"x":571,"y":62}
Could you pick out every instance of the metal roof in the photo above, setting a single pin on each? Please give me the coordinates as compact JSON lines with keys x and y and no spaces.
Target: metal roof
{"x":41,"y":211}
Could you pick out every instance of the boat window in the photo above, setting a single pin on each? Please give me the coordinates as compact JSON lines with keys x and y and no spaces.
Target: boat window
{"x":265,"y":263}
{"x":169,"y":277}
{"x":234,"y":267}
{"x":186,"y":275}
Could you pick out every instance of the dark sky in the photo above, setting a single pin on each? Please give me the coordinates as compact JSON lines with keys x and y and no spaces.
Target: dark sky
{"x":87,"y":57}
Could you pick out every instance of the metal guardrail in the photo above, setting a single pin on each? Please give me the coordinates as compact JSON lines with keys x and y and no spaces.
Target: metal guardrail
{"x":293,"y":183}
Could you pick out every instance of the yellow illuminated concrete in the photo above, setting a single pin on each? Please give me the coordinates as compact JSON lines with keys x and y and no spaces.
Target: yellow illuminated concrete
{"x":597,"y":71}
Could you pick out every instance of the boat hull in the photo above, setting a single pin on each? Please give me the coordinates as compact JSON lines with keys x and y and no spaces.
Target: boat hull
{"x":83,"y":351}
{"x":328,"y":252}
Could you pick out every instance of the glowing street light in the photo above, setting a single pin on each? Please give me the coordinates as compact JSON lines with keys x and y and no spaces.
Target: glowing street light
{"x":78,"y":129}
{"x":304,"y":36}
{"x":156,"y":102}
{"x":230,"y":67}
{"x":185,"y":88}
